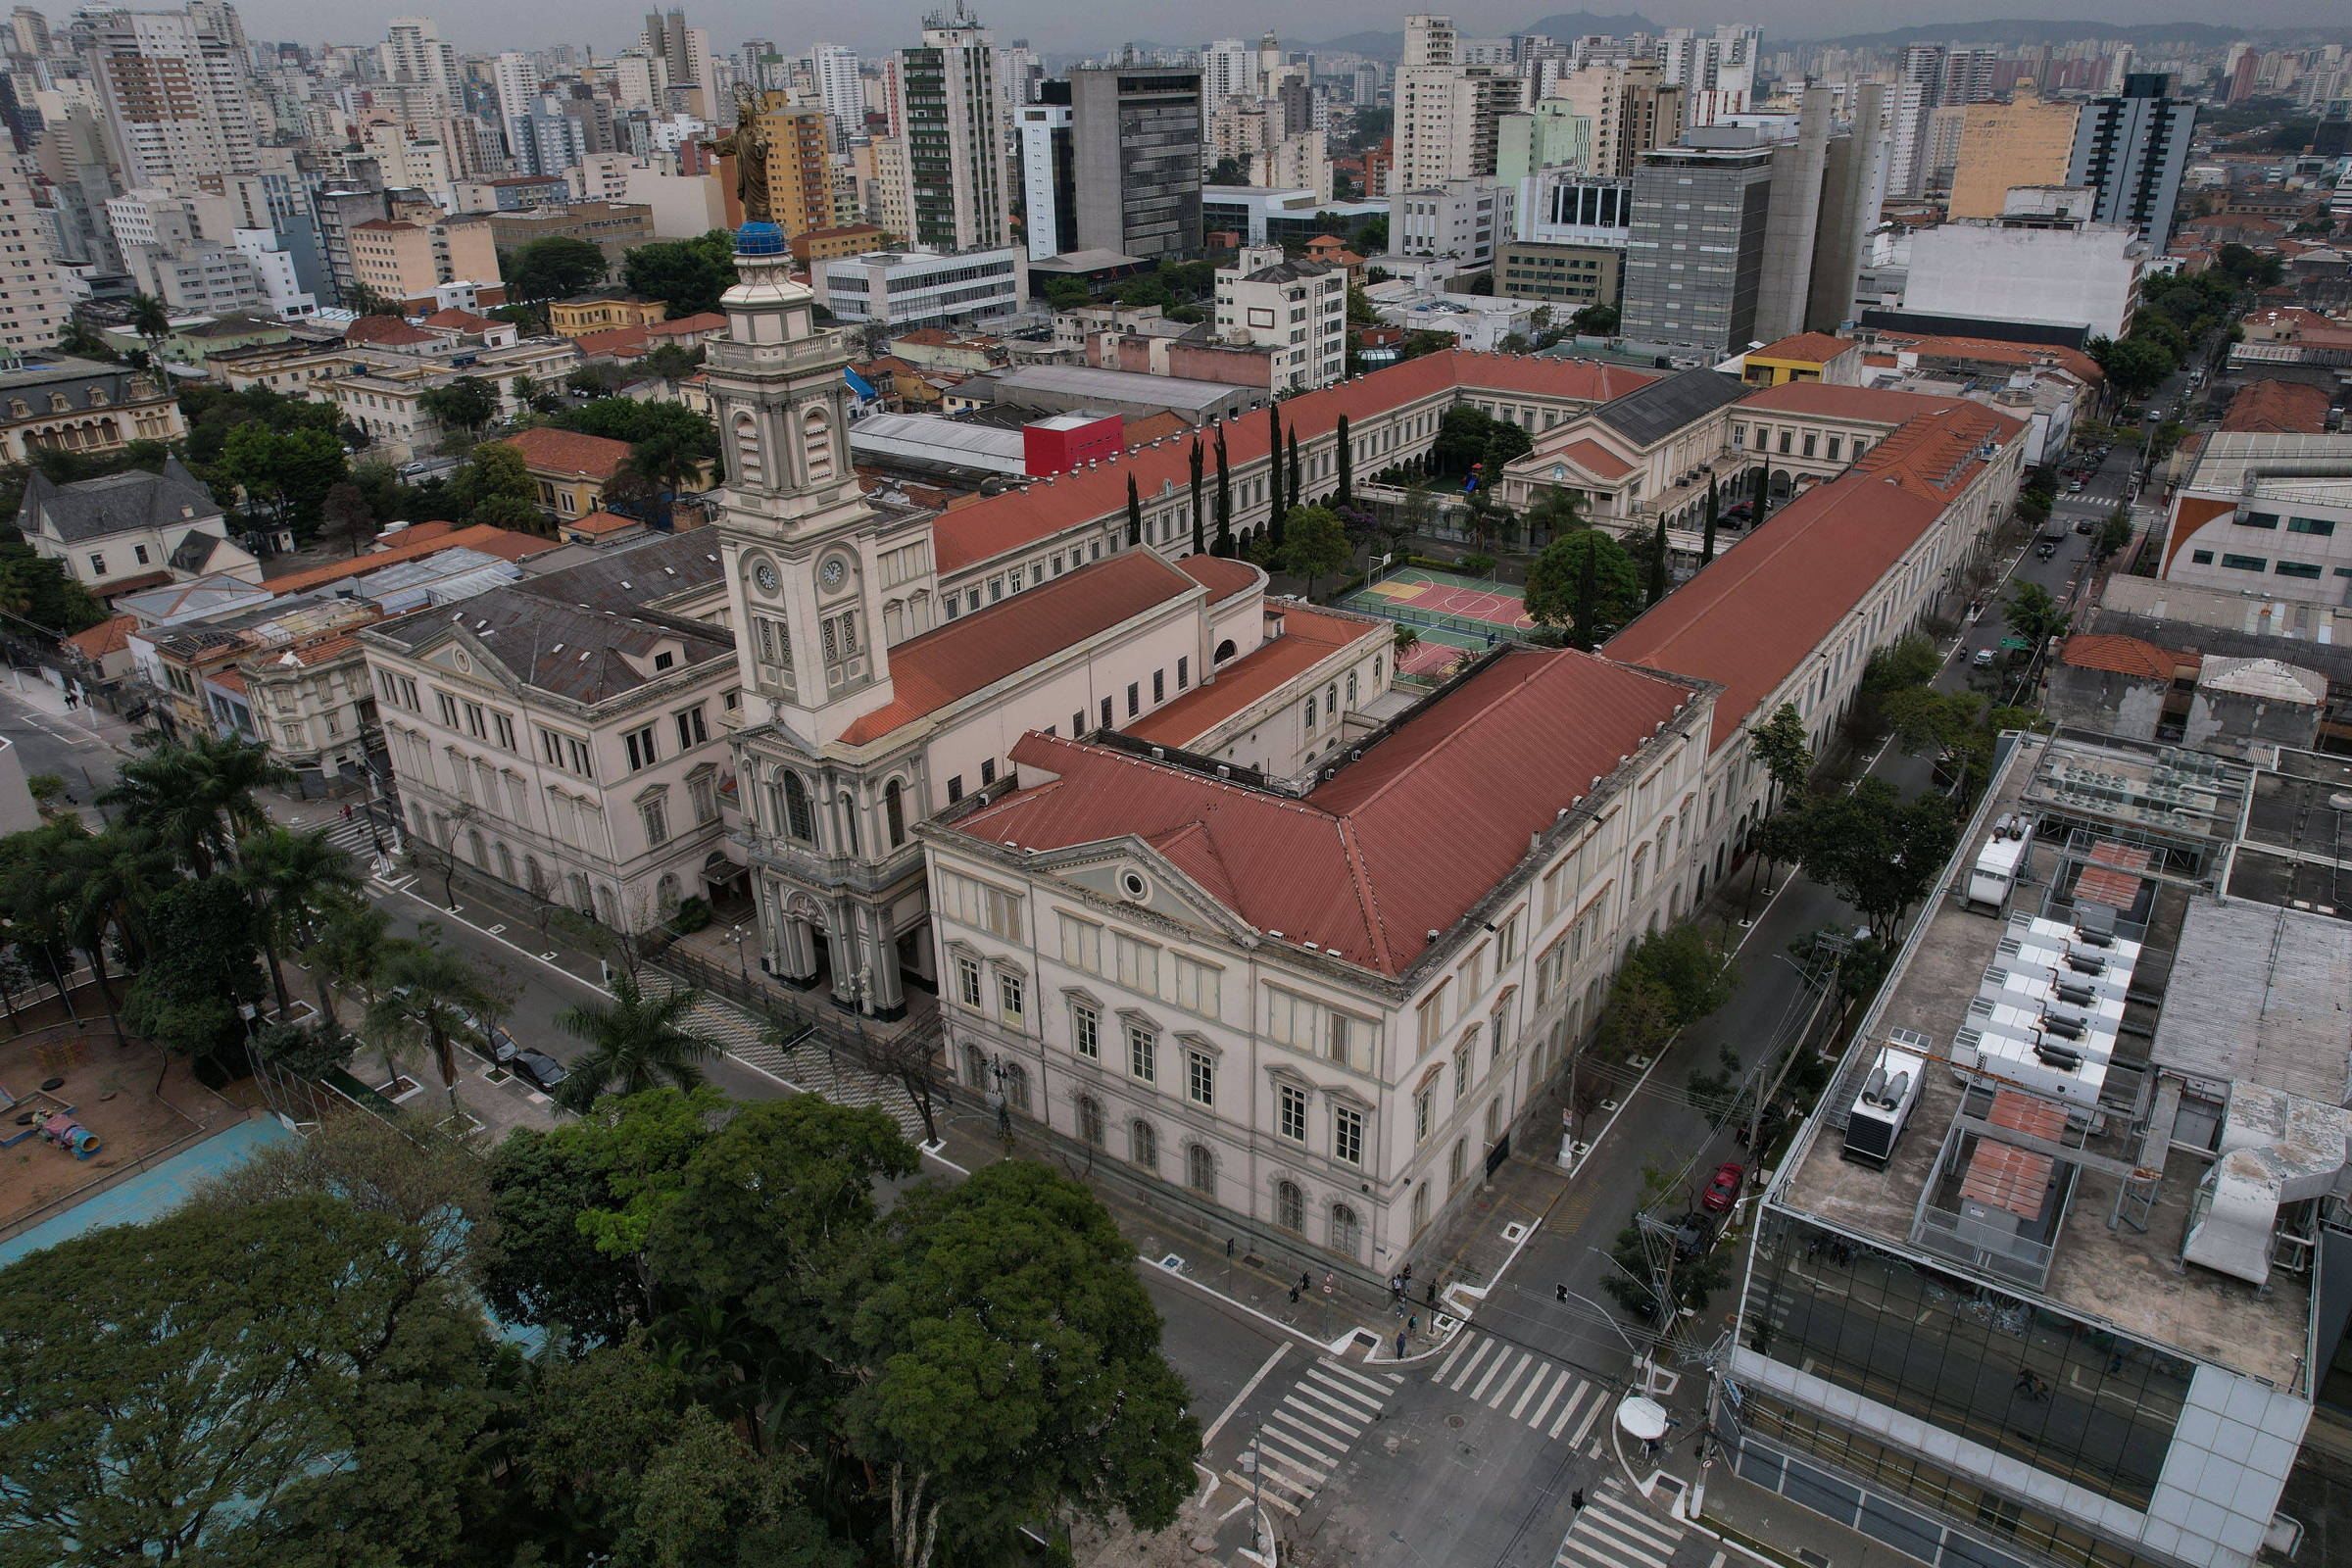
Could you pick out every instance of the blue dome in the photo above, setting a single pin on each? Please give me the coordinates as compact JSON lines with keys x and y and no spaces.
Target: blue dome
{"x":759,"y":239}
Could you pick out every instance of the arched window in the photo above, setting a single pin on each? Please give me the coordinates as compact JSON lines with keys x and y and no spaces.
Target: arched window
{"x":477,"y":851}
{"x":506,"y":861}
{"x":1090,"y":1121}
{"x":1420,"y":1208}
{"x":1225,"y":650}
{"x":975,"y":1066}
{"x":849,"y":822}
{"x":1458,"y":1162}
{"x":1346,"y":1231}
{"x":1143,"y":1143}
{"x":748,"y":467}
{"x":799,"y":820}
{"x":534,"y":876}
{"x":1352,"y":688}
{"x":1016,"y":1086}
{"x":894,"y":812}
{"x":817,"y":440}
{"x":1201,"y":1170}
{"x":1290,"y":1207}
{"x":665,"y":895}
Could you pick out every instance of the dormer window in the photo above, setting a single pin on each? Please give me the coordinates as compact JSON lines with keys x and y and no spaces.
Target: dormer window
{"x":19,"y":408}
{"x":97,"y":397}
{"x":58,"y":404}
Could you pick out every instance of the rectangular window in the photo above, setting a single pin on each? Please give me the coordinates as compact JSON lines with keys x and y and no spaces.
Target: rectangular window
{"x":977,"y":904}
{"x":505,"y":728}
{"x":1159,"y":687}
{"x":1197,"y":987}
{"x":691,"y":730}
{"x":2258,"y":519}
{"x":1421,"y":1116}
{"x":1433,"y":1018}
{"x":1108,"y":719}
{"x":1200,"y":1078}
{"x":1507,"y":946}
{"x":956,"y":789}
{"x":988,"y":772}
{"x":641,"y":749}
{"x":1348,"y":1136}
{"x":1290,"y":1114}
{"x":1086,"y":1032}
{"x":2245,"y":563}
{"x":1138,"y":963}
{"x":449,"y":708}
{"x":1009,"y":999}
{"x":97,"y":566}
{"x":1184,"y":672}
{"x":1461,"y":1069}
{"x":1082,"y":944}
{"x":1784,"y":437}
{"x":1835,"y":442}
{"x":1134,"y":698}
{"x":477,"y":722}
{"x":2297,"y":568}
{"x":2318,"y":528}
{"x":1809,"y":439}
{"x":2202,"y":557}
{"x":1077,"y":725}
{"x":967,"y":981}
{"x":1142,"y":1053}
{"x":656,"y":814}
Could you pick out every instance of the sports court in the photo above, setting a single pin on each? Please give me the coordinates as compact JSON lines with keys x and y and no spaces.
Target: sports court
{"x":1454,"y":615}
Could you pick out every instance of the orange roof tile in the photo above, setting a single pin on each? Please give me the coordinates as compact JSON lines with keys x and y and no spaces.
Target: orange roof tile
{"x":547,"y":450}
{"x":1807,"y":347}
{"x":2287,"y":408}
{"x":498,"y":542}
{"x":1991,"y":350}
{"x":600,"y":522}
{"x":699,"y":322}
{"x":1150,"y":427}
{"x":1223,"y":578}
{"x":1309,"y":637}
{"x":2122,"y":655}
{"x":109,"y":636}
{"x":622,"y":342}
{"x":1594,"y":459}
{"x":950,"y":663}
{"x":1353,"y":866}
{"x":1017,"y":517}
{"x":1842,"y":402}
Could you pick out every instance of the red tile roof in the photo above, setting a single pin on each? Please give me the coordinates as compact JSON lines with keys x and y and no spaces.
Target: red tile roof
{"x":1223,"y":578}
{"x":1355,"y":867}
{"x":699,"y":322}
{"x":1991,"y":350}
{"x":1594,"y":459}
{"x":2287,"y":408}
{"x":109,"y":636}
{"x":457,"y":320}
{"x":2122,"y":655}
{"x":2113,"y":874}
{"x":1309,"y":637}
{"x":547,"y":450}
{"x":950,"y":663}
{"x":1939,"y":449}
{"x":385,"y":330}
{"x":498,"y":542}
{"x":1150,"y":427}
{"x":1841,"y":402}
{"x":621,"y":342}
{"x":1017,"y":517}
{"x":1811,"y":348}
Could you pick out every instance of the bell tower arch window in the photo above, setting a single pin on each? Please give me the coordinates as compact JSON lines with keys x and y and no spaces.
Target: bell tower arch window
{"x":816,"y":441}
{"x":749,"y":467}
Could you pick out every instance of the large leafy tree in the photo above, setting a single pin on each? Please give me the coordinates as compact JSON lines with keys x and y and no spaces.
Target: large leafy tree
{"x":494,"y":487}
{"x":285,"y":473}
{"x":1781,"y":744}
{"x":202,"y":966}
{"x":2034,"y":615}
{"x":198,"y":798}
{"x":273,"y":1382}
{"x":1875,"y":850}
{"x":688,"y":274}
{"x":1584,"y":583}
{"x":627,"y":419}
{"x":290,"y":879}
{"x":1011,"y":1370}
{"x":348,"y":945}
{"x":464,"y":406}
{"x":552,"y":268}
{"x":1314,"y":544}
{"x":640,"y":1041}
{"x":1555,"y":514}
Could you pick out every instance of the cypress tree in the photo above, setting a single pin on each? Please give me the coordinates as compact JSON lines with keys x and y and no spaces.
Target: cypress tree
{"x":1347,"y":467}
{"x":1657,"y":566}
{"x":1297,"y":496}
{"x":1224,"y":498}
{"x":1199,"y":523}
{"x":1707,"y":550}
{"x":1135,"y":515}
{"x":1274,"y":502}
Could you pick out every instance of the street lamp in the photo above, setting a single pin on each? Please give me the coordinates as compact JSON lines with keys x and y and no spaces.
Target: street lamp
{"x":741,"y":968}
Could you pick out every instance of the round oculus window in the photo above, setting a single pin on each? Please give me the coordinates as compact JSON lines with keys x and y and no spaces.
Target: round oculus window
{"x":1133,"y":885}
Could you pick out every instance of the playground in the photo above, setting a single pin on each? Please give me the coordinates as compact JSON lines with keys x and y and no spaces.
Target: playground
{"x":1454,"y":615}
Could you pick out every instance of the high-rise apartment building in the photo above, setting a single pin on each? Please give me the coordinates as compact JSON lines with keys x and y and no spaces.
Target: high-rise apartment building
{"x":1694,"y":259}
{"x":682,"y":52}
{"x":1446,"y":121}
{"x":32,"y":301}
{"x":175,"y":92}
{"x":1717,"y":71}
{"x":2131,"y":150}
{"x":955,"y":176}
{"x":1228,"y":69}
{"x":514,"y":80}
{"x":1631,"y":105}
{"x":1049,"y":175}
{"x":2026,"y":140}
{"x":413,"y":51}
{"x":1824,"y":200}
{"x":1296,"y":308}
{"x":1431,"y":40}
{"x":800,"y":168}
{"x":1135,"y":136}
{"x":838,"y":89}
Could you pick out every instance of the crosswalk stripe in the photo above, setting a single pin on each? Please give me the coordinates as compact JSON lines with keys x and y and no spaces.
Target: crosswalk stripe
{"x":1484,"y":1345}
{"x":1324,"y":1419}
{"x":1459,"y":1345}
{"x":1615,"y":1532}
{"x":1289,"y":1439}
{"x":1526,"y":1396}
{"x":1517,"y":1372}
{"x":1273,"y":1502}
{"x":1354,"y":1400}
{"x":1590,"y":1416}
{"x":1569,"y":1415}
{"x":1317,"y":1403}
{"x":1629,"y":1517}
{"x":1602,"y":1549}
{"x":1542,"y":1410}
{"x":1333,"y":1370}
{"x":1493,"y":1367}
{"x":1296,"y":1474}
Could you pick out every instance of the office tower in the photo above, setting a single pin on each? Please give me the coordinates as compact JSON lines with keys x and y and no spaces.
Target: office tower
{"x":839,"y":90}
{"x":1431,"y":40}
{"x":1228,"y":69}
{"x":1049,"y":176}
{"x":32,"y":301}
{"x":681,"y":50}
{"x":413,"y":51}
{"x":175,"y":89}
{"x":2131,"y":150}
{"x":2028,"y":141}
{"x":515,"y":80}
{"x":1631,"y":105}
{"x":31,"y":30}
{"x":955,"y":147}
{"x":1693,"y":280}
{"x":1824,"y":201}
{"x":1135,"y":136}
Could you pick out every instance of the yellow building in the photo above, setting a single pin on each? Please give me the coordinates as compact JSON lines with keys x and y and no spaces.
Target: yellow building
{"x":830,"y":244}
{"x":571,"y":470}
{"x":800,"y":170}
{"x":405,"y":260}
{"x":600,"y":309}
{"x":2026,"y":141}
{"x":1806,"y":356}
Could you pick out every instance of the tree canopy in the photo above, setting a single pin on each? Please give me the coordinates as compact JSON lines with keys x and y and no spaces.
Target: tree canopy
{"x":627,"y":419}
{"x":686,"y":274}
{"x":1584,"y":583}
{"x":552,"y":268}
{"x":494,"y":487}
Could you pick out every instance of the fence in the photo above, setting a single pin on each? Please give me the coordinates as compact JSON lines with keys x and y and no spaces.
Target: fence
{"x":910,"y":1056}
{"x":1464,"y":625}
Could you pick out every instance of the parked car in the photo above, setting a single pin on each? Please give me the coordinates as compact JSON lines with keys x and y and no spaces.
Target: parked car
{"x":542,"y":1070}
{"x":1724,"y":1190}
{"x":1694,"y":1236}
{"x":1984,"y":658}
{"x":2086,"y":525}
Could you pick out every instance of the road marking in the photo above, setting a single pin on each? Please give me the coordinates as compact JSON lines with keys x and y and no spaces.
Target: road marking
{"x":1545,"y":1410}
{"x":1484,"y":1345}
{"x":1527,"y":1398}
{"x":1247,"y":1389}
{"x":1251,"y":1487}
{"x":1291,"y":1473}
{"x":1337,"y":1404}
{"x":1590,"y":1416}
{"x":1517,"y":1372}
{"x":1582,"y":1388}
{"x":1493,"y":1367}
{"x":1295,"y":1434}
{"x":1460,"y":1345}
{"x":1302,"y":1414}
{"x":1371,"y":1387}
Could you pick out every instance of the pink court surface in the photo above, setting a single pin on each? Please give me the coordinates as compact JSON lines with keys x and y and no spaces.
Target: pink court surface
{"x":1447,"y":599}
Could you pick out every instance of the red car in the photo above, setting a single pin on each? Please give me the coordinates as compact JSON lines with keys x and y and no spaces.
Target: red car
{"x":1724,"y":1190}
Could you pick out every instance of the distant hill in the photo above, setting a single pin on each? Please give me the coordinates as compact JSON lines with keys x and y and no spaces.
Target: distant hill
{"x":1567,"y":24}
{"x":2030,"y":30}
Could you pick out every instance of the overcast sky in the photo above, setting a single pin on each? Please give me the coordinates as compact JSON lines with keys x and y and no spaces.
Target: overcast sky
{"x":876,"y":25}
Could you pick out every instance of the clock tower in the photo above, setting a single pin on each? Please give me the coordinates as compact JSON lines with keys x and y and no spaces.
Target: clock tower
{"x":797,"y":536}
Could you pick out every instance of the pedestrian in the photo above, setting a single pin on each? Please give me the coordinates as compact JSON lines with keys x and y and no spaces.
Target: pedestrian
{"x":1559,"y":1294}
{"x":1408,"y":1275}
{"x":1433,"y":1292}
{"x":1576,"y":1499}
{"x":1401,"y":1344}
{"x":1412,"y":1325}
{"x":1306,"y":1282}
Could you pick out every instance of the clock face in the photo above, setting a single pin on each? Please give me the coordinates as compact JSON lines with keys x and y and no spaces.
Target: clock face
{"x":833,"y":572}
{"x":766,"y":576}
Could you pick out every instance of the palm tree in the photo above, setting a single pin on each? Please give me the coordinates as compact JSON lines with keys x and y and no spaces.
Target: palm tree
{"x":633,"y":1046}
{"x":290,"y":878}
{"x":197,"y":799}
{"x":428,"y":994}
{"x":151,"y":321}
{"x":348,"y":945}
{"x":104,"y":883}
{"x":665,"y":462}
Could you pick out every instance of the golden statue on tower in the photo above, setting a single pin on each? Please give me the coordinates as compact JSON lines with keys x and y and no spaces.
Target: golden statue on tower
{"x":748,"y":145}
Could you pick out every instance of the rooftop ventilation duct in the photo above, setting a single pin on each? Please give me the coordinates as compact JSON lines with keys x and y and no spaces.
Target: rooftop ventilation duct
{"x":2277,"y":1149}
